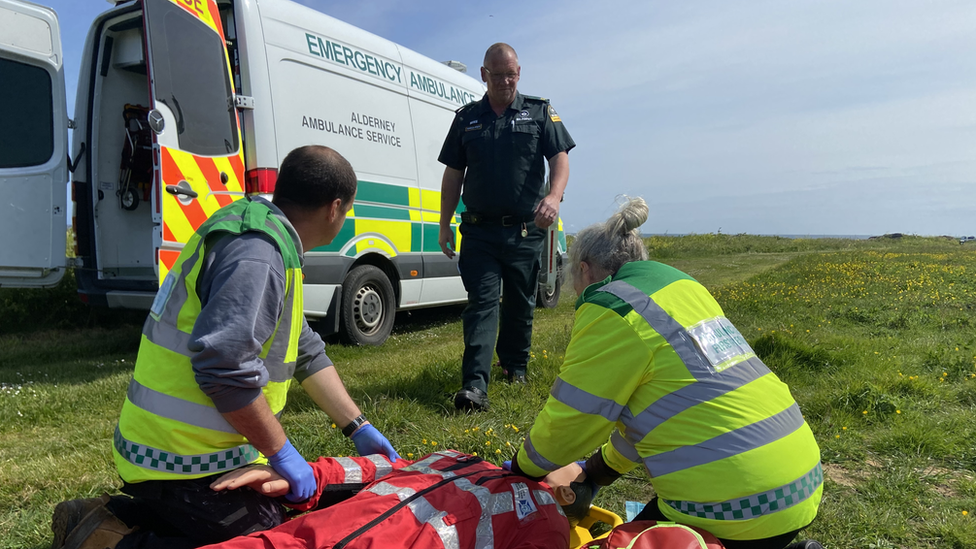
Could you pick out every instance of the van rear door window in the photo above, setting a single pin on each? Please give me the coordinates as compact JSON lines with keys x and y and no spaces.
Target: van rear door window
{"x":26,"y":115}
{"x":190,"y":77}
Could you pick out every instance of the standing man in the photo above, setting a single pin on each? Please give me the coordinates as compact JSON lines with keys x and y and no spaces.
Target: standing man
{"x":495,"y":154}
{"x":224,"y":338}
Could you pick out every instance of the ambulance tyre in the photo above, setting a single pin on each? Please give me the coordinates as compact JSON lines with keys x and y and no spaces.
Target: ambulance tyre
{"x":545,"y":299}
{"x":368,"y":306}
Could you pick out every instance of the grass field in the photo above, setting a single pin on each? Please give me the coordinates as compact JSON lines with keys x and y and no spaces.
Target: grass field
{"x":875,"y":338}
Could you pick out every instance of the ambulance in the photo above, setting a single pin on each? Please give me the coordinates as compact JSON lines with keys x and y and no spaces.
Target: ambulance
{"x":184,"y":106}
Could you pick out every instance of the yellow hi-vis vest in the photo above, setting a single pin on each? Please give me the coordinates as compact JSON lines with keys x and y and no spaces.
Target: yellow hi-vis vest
{"x":655,"y":365}
{"x":168,"y":427}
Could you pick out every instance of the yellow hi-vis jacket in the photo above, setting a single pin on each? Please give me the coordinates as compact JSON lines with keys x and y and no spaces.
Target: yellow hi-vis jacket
{"x":654,"y":364}
{"x":169,"y":428}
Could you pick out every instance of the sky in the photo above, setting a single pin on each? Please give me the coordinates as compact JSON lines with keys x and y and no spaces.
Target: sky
{"x":763,"y":117}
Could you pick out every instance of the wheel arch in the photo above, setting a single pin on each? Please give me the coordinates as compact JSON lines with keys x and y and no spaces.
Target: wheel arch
{"x":383,"y":263}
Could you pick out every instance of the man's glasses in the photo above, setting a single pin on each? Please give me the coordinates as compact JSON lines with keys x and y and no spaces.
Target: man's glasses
{"x":501,"y":77}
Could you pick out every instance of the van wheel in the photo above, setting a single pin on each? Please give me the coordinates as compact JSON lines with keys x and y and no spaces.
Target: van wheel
{"x":368,"y":306}
{"x":545,"y":299}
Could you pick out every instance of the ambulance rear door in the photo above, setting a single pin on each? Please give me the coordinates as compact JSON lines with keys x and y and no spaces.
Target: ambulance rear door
{"x":33,"y":147}
{"x":197,"y":150}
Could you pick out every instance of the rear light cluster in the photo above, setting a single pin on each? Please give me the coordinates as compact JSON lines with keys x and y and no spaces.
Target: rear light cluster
{"x":260,"y":180}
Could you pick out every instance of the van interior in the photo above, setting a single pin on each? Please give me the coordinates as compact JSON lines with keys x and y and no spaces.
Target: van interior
{"x":127,"y":225}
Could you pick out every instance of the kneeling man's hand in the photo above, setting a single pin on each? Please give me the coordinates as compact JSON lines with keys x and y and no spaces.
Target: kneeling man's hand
{"x":260,"y":478}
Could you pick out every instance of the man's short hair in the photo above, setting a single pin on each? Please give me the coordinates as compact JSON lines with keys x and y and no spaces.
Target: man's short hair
{"x":314,"y":176}
{"x":584,"y":498}
{"x":499,"y":48}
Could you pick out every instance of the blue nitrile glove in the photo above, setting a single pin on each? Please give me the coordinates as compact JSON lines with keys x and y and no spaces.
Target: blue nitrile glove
{"x":291,"y":465}
{"x":594,"y":486}
{"x":369,"y":440}
{"x":507,"y":465}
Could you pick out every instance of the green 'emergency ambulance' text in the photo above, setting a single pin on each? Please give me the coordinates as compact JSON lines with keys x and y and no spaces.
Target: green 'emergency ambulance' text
{"x":384,"y":69}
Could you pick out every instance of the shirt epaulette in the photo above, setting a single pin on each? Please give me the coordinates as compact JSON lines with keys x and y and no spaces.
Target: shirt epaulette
{"x":467,"y":106}
{"x":536,"y":98}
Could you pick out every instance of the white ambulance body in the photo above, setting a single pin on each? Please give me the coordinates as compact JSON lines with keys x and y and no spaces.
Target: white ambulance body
{"x":169,"y":129}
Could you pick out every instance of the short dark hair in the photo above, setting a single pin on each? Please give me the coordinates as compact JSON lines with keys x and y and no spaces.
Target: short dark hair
{"x":314,"y":176}
{"x":499,"y":48}
{"x":584,"y":498}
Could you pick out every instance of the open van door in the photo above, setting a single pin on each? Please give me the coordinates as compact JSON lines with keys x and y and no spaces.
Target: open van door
{"x":33,"y":147}
{"x":199,"y":165}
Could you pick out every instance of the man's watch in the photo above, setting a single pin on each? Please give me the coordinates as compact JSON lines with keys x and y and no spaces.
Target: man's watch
{"x":353,"y":425}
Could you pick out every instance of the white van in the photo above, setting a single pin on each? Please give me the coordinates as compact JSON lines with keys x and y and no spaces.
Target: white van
{"x":186,"y":105}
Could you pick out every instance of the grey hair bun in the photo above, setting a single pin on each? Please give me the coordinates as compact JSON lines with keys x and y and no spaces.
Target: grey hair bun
{"x":631,"y":215}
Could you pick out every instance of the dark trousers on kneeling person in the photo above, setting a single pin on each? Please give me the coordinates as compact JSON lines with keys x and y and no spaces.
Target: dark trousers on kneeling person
{"x":185,"y":514}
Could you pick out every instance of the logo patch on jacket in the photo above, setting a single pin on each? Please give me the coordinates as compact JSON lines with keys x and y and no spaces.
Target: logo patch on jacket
{"x":472,"y":127}
{"x":524,"y":506}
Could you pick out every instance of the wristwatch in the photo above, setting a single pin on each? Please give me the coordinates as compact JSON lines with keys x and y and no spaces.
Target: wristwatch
{"x":353,"y":425}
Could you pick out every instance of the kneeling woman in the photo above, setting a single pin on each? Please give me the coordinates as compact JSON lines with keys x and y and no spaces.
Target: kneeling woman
{"x":654,"y":365}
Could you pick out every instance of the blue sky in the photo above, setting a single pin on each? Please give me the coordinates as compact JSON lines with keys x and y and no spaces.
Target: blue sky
{"x":769,"y":117}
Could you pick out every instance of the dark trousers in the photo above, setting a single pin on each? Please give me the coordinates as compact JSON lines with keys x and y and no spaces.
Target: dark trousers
{"x":652,"y":512}
{"x":497,"y":260}
{"x":184,"y":514}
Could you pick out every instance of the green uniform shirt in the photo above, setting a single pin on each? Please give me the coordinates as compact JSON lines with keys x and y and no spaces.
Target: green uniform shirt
{"x":504,"y":156}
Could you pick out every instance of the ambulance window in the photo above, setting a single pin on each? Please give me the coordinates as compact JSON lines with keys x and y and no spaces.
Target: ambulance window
{"x":190,"y":77}
{"x":26,"y":115}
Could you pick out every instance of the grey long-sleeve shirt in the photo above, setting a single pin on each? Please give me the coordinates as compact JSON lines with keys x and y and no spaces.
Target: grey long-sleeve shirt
{"x":241,"y":288}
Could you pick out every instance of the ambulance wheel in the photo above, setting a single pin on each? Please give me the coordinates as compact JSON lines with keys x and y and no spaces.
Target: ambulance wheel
{"x":545,"y":299}
{"x":368,"y":306}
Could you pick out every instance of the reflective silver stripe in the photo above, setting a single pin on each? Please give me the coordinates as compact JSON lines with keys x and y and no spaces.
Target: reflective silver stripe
{"x":756,"y":505}
{"x":585,"y":402}
{"x":727,"y":444}
{"x":669,"y":328}
{"x":426,"y":513}
{"x":281,"y":337}
{"x":174,"y":304}
{"x":543,"y":498}
{"x":177,"y":409}
{"x":386,"y":489}
{"x":502,"y":503}
{"x":484,"y":534}
{"x":383,"y":467}
{"x":423,"y":466}
{"x":354,"y":473}
{"x":624,"y":446}
{"x":536,"y":458}
{"x":691,"y":395}
{"x":148,"y":457}
{"x":168,"y":337}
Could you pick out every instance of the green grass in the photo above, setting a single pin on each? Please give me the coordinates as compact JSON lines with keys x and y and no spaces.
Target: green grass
{"x":873,"y":337}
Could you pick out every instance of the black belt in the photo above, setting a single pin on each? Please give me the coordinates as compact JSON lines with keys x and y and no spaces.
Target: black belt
{"x":503,"y":220}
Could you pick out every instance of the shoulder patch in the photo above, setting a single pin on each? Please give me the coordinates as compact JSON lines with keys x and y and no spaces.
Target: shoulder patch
{"x":553,"y":116}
